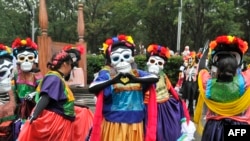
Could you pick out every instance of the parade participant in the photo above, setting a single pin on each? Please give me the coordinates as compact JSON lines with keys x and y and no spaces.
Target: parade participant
{"x":189,"y":85}
{"x":181,"y":76}
{"x":75,"y":52}
{"x":76,"y":77}
{"x":7,"y":98}
{"x":226,"y":94}
{"x":55,"y":117}
{"x":172,"y":111}
{"x":119,"y":88}
{"x":26,"y":81}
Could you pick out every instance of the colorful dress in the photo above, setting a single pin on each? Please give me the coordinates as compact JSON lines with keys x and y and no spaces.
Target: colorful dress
{"x":122,"y":109}
{"x":228,"y":104}
{"x":60,"y":120}
{"x":22,"y":88}
{"x":170,"y":109}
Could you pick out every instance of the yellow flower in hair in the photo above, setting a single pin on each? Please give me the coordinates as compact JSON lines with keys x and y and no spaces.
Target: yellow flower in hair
{"x":230,"y":39}
{"x":104,"y":47}
{"x":23,"y":42}
{"x":130,"y":40}
{"x":8,"y":49}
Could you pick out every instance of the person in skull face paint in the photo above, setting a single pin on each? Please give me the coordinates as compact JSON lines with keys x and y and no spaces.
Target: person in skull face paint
{"x":189,"y":86}
{"x":172,"y":111}
{"x":224,"y":89}
{"x":119,"y":89}
{"x":25,"y":79}
{"x":55,"y":116}
{"x":7,"y":98}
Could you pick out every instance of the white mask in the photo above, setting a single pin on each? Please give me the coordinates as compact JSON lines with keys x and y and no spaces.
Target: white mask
{"x":26,"y":60}
{"x":6,"y":75}
{"x":121,"y":60}
{"x":155,"y":64}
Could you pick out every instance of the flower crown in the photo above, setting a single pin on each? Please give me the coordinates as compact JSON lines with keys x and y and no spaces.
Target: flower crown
{"x":128,"y":40}
{"x":5,"y":50}
{"x":80,"y":48}
{"x":18,"y":43}
{"x":161,"y":51}
{"x":242,"y":45}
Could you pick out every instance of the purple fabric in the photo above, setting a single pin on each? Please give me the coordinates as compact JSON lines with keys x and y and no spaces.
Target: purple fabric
{"x":169,"y":118}
{"x":214,"y":129}
{"x":53,"y":86}
{"x":16,"y":128}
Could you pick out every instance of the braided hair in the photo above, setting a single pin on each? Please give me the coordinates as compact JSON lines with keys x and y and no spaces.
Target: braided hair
{"x":58,"y":59}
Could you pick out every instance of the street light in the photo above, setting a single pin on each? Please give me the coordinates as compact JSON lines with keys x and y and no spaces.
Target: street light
{"x":179,"y":27}
{"x":33,"y":29}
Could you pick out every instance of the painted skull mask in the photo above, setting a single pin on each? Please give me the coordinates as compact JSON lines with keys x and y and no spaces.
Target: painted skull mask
{"x":121,"y":59}
{"x":6,"y":74}
{"x":26,"y":60}
{"x":155,"y":64}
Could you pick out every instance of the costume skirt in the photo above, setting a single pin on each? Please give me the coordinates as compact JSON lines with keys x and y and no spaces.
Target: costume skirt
{"x":121,"y":131}
{"x":169,"y":117}
{"x":214,"y":129}
{"x":190,"y":90}
{"x":53,"y":127}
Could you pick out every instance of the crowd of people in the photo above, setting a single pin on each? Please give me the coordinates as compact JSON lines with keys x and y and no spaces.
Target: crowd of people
{"x":132,"y":104}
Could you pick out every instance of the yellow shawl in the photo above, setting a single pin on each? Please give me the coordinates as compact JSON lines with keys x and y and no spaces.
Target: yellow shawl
{"x":224,"y":109}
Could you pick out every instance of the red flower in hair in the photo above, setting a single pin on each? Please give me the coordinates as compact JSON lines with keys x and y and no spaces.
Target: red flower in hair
{"x":2,"y":47}
{"x":80,"y":48}
{"x":67,"y":47}
{"x":121,"y":37}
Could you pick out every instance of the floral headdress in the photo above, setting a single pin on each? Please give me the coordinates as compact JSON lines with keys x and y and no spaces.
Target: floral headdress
{"x":79,"y":48}
{"x":158,"y":50}
{"x":25,"y":44}
{"x":18,"y":43}
{"x":192,"y":54}
{"x":5,"y":51}
{"x":229,"y":40}
{"x":127,"y":40}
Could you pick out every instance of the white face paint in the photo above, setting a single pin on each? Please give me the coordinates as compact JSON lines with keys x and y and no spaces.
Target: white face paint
{"x":121,"y":60}
{"x":26,"y":60}
{"x":155,"y":64}
{"x":6,"y":74}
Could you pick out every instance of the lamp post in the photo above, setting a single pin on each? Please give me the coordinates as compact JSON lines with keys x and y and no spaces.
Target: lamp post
{"x":33,"y":29}
{"x":179,"y":27}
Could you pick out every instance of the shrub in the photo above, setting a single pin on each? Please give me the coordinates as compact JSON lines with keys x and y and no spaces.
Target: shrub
{"x":96,"y":62}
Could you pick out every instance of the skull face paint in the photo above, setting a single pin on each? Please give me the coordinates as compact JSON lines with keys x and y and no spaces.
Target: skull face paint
{"x":155,"y":64}
{"x":6,"y":74}
{"x":121,"y":60}
{"x":26,"y":60}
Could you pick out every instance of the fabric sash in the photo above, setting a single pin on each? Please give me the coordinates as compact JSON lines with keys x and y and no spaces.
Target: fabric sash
{"x":224,"y":109}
